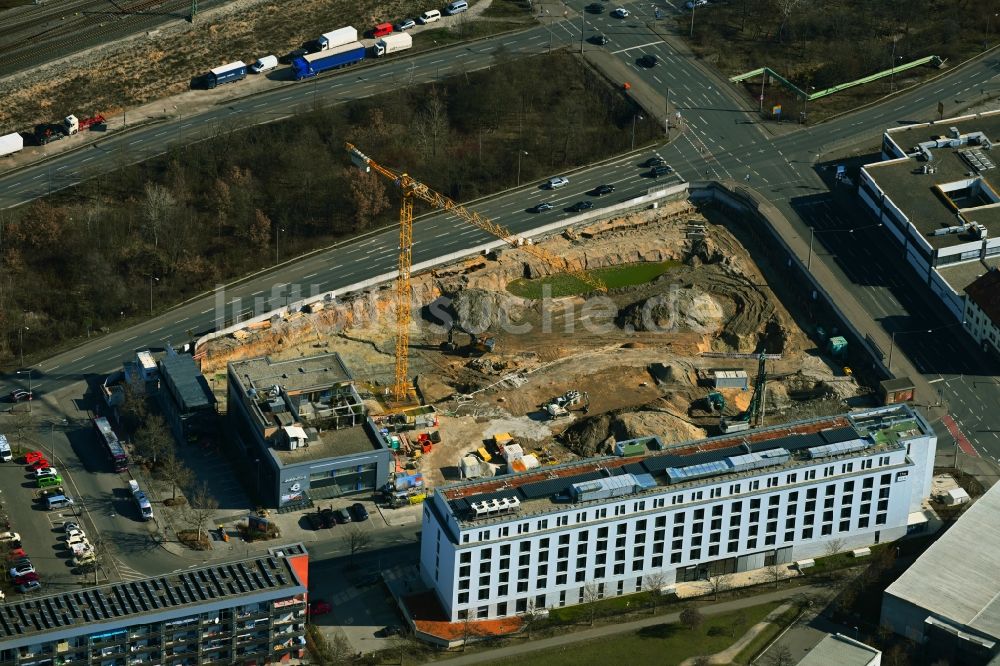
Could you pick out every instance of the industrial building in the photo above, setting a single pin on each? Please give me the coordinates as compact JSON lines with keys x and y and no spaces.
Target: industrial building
{"x":982,"y":311}
{"x":949,"y":599}
{"x":936,"y":191}
{"x":499,"y":547}
{"x":839,"y":650}
{"x":301,"y":431}
{"x":250,"y":611}
{"x":187,"y":400}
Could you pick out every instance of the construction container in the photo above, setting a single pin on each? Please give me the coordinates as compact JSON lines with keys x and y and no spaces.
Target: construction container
{"x":512,"y":452}
{"x":525,"y":463}
{"x":837,"y":346}
{"x":470,"y":467}
{"x":502,"y":439}
{"x":730,"y":379}
{"x":632,"y":447}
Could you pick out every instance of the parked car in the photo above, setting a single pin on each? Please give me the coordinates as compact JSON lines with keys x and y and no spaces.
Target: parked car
{"x":691,"y":4}
{"x":75,"y":534}
{"x":315,"y":520}
{"x":21,"y":569}
{"x":16,"y":554}
{"x":39,"y":464}
{"x":319,"y":607}
{"x":405,"y":24}
{"x":46,"y":471}
{"x":9,"y":536}
{"x":658,"y":171}
{"x":329,"y":518}
{"x":654,"y":162}
{"x":601,"y":190}
{"x":21,"y":561}
{"x":595,"y":8}
{"x":32,"y":586}
{"x":70,"y":527}
{"x":18,"y":395}
{"x":557,"y":182}
{"x":343,"y":515}
{"x":649,"y":60}
{"x":359,"y":512}
{"x":26,"y":578}
{"x":581,"y":206}
{"x":621,"y":12}
{"x":542,"y":207}
{"x":599,"y":39}
{"x":31,"y":457}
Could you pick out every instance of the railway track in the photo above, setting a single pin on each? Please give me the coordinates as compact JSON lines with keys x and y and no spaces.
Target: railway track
{"x":39,"y":37}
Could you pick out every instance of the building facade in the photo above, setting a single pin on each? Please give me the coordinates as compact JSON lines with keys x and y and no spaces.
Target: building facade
{"x":982,"y":311}
{"x":607,"y":526}
{"x":186,"y":398}
{"x":301,"y":431}
{"x":244,"y":612}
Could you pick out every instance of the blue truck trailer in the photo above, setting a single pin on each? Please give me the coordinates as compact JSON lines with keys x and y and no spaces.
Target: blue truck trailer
{"x":234,"y":71}
{"x":314,"y":63}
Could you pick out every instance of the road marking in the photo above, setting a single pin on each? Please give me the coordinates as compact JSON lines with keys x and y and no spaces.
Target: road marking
{"x":41,"y":175}
{"x":441,"y":235}
{"x":52,"y":368}
{"x":257,"y":106}
{"x":286,"y":98}
{"x":309,"y":276}
{"x":130,"y":339}
{"x":88,"y":367}
{"x":187,"y":125}
{"x":77,"y":359}
{"x":156,"y":329}
{"x":136,"y":141}
{"x":104,"y":348}
{"x":640,"y":46}
{"x":210,"y":309}
{"x":934,"y":381}
{"x":87,"y":159}
{"x":434,"y":62}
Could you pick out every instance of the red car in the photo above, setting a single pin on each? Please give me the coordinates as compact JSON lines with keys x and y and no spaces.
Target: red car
{"x":33,"y":456}
{"x":39,"y":464}
{"x":319,"y":607}
{"x":26,"y":578}
{"x":16,"y":554}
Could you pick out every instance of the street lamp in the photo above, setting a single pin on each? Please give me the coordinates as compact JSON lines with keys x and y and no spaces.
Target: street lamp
{"x":989,"y":19}
{"x":805,"y":103}
{"x":151,"y":280}
{"x":892,"y":67}
{"x":30,"y":394}
{"x":277,"y":229}
{"x":892,"y":337}
{"x":813,"y":231}
{"x":634,"y":118}
{"x":20,"y":341}
{"x":520,"y":154}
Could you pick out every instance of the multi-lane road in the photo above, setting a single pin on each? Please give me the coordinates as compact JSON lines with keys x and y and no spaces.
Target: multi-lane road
{"x":720,"y":139}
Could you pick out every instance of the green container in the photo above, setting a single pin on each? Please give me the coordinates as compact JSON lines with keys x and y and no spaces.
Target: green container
{"x":837,"y":346}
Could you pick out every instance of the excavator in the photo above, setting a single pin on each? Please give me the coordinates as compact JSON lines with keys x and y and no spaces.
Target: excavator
{"x":755,"y":412}
{"x":477,"y":346}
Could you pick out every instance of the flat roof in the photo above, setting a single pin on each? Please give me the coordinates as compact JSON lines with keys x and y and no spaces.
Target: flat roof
{"x":155,"y":599}
{"x":985,"y":292}
{"x":748,"y":453}
{"x":295,"y":375}
{"x":838,"y":650}
{"x":914,"y":193}
{"x":959,"y":276}
{"x":186,"y":377}
{"x":956,"y":578}
{"x":332,"y":444}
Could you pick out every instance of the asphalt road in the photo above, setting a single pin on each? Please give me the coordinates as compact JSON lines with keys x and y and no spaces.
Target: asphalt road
{"x":720,"y":139}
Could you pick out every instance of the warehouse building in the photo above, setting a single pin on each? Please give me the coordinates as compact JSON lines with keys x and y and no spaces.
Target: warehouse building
{"x":301,"y":431}
{"x":949,"y":599}
{"x":937,"y":192}
{"x":727,"y":504}
{"x":251,"y":611}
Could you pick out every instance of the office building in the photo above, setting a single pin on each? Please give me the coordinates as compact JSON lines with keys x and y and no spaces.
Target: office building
{"x":982,"y":311}
{"x":553,"y":536}
{"x":301,"y":431}
{"x":187,"y":400}
{"x":244,"y":612}
{"x":949,"y":599}
{"x":936,"y":192}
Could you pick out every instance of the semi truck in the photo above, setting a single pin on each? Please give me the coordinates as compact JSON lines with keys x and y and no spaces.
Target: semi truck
{"x":315,"y":63}
{"x":339,"y":37}
{"x":234,"y":71}
{"x":399,"y":41}
{"x":141,"y":501}
{"x":10,"y":143}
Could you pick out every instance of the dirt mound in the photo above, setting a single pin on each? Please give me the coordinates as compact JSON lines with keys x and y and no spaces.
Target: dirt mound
{"x":681,"y":307}
{"x":597,"y":434}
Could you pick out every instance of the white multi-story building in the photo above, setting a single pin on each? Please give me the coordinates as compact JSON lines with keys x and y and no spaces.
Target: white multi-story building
{"x":982,"y":311}
{"x":614,"y":525}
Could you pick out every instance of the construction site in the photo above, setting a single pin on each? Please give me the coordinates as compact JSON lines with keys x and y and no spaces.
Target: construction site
{"x":518,"y":382}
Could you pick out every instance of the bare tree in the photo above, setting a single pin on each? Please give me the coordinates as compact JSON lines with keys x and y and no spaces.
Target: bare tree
{"x":153,"y":439}
{"x":774,"y":573}
{"x":738,"y":622}
{"x":356,"y":540}
{"x":157,"y":204}
{"x":654,"y":584}
{"x":833,"y":546}
{"x":530,"y":618}
{"x":591,"y":595}
{"x":368,"y":196}
{"x":469,"y":630}
{"x":720,"y":583}
{"x":779,"y":655}
{"x":173,"y":470}
{"x":691,"y":618}
{"x":135,"y":406}
{"x":200,"y":509}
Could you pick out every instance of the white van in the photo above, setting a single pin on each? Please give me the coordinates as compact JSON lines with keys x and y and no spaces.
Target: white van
{"x":456,"y":7}
{"x":429,"y":16}
{"x":265,"y":64}
{"x":5,"y":454}
{"x":58,"y":502}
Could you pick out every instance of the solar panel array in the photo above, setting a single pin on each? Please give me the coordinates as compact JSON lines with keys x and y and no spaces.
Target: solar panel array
{"x":121,"y":600}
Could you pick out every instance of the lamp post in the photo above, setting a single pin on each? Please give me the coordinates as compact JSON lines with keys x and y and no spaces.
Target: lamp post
{"x":989,"y":20}
{"x":277,"y":256}
{"x":634,"y":118}
{"x":20,"y":341}
{"x":152,"y":279}
{"x":813,"y":232}
{"x":805,"y":103}
{"x":892,"y":67}
{"x":693,"y":5}
{"x":520,"y":154}
{"x":30,"y":394}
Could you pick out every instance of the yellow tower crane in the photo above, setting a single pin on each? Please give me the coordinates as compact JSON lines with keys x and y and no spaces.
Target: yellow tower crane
{"x":410,"y":188}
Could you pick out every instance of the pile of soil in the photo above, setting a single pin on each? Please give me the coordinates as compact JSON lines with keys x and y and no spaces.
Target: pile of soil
{"x":597,"y":434}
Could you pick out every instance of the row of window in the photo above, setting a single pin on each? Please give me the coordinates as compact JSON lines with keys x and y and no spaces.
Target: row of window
{"x":637,"y":506}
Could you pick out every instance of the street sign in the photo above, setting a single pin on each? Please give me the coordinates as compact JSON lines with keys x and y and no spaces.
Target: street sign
{"x":776,"y":110}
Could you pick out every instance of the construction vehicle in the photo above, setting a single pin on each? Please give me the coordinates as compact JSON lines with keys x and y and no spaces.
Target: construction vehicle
{"x":411,"y":188}
{"x":716,"y":402}
{"x":755,"y":411}
{"x":559,"y":407}
{"x":478,"y":344}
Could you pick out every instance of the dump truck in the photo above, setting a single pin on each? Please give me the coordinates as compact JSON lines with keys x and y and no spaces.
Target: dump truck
{"x":10,"y":143}
{"x":399,"y":41}
{"x":338,"y":37}
{"x":234,"y":71}
{"x":315,"y":63}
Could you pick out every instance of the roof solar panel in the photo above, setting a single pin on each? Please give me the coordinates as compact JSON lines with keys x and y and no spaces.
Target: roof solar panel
{"x":836,"y":435}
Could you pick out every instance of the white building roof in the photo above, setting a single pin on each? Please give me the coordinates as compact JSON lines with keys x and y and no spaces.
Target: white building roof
{"x":837,"y":650}
{"x":955,"y":579}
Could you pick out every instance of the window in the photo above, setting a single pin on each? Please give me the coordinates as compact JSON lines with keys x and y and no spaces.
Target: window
{"x":807,"y":533}
{"x":862,"y":522}
{"x":845,"y":512}
{"x":523,"y":527}
{"x":790,"y":523}
{"x":661,"y":521}
{"x":543,"y":543}
{"x":696,"y":540}
{"x":752,"y":530}
{"x":810,"y":474}
{"x":484,"y":581}
{"x":524,"y":547}
{"x":772,"y":514}
{"x":769,"y":540}
{"x":811,"y":505}
{"x":866,"y":496}
{"x":602,"y":513}
{"x":826,"y":530}
{"x":699,"y":514}
{"x":733,"y":546}
{"x":599,"y":572}
{"x":827,"y":516}
{"x":808,"y":519}
{"x":828,"y":503}
{"x":679,"y":531}
{"x":792,"y":478}
{"x":713,"y":551}
{"x":734,"y":520}
{"x":465,"y":557}
{"x":734,"y":533}
{"x":463,"y":597}
{"x":562,"y":521}
{"x":751,"y":543}
{"x":543,"y":570}
{"x":880,"y":518}
{"x":562,"y":565}
{"x":657,"y":561}
{"x":772,"y":481}
{"x":502,"y":590}
{"x":581,"y":549}
{"x":600,"y":558}
{"x":620,"y":510}
{"x":581,"y":576}
{"x":602,"y":533}
{"x":659,"y":535}
{"x":790,"y":536}
{"x":524,"y":560}
{"x":620,"y":555}
{"x":868,"y":482}
{"x":563,"y":539}
{"x":755,"y":503}
{"x":849,"y":487}
{"x":772,"y":526}
{"x":697,"y":495}
{"x":639,"y":506}
{"x":845,"y":525}
{"x":636,"y":565}
{"x":543,"y":524}
{"x":754,"y":516}
{"x":679,"y":517}
{"x":640,"y":525}
{"x":619,"y":570}
{"x":622,"y":528}
{"x":602,"y":545}
{"x":675,"y":558}
{"x":502,"y":609}
{"x":885,"y":479}
{"x":465,"y":571}
{"x":484,"y":593}
{"x":846,"y":467}
{"x":715,"y":492}
{"x":504,"y":576}
{"x":883,"y":492}
{"x":638,"y":551}
{"x":563,"y":553}
{"x":677,"y":544}
{"x":811,"y":493}
{"x":522,"y":574}
{"x":561,"y":579}
{"x":755,"y":485}
{"x":695,"y":553}
{"x":581,"y":562}
{"x":883,"y":505}
{"x":620,"y":542}
{"x":716,"y":524}
{"x":463,"y":584}
{"x":677,"y":499}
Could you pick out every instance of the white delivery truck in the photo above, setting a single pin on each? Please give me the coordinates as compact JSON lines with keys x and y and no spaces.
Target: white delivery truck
{"x":10,"y":143}
{"x":397,"y":41}
{"x":265,"y":64}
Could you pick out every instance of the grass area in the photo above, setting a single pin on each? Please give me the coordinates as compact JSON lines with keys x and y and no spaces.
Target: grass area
{"x":563,"y":284}
{"x":508,"y":9}
{"x":764,"y":638}
{"x":661,"y":644}
{"x":8,"y":4}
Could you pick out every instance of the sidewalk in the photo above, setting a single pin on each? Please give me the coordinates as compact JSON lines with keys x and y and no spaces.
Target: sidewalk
{"x":625,"y":627}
